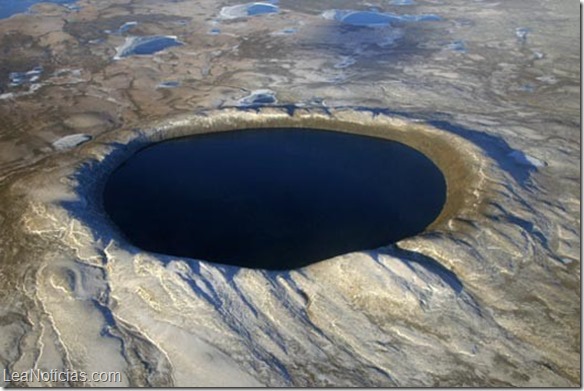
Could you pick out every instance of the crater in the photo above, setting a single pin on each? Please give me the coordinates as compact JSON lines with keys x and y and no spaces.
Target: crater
{"x":273,"y":198}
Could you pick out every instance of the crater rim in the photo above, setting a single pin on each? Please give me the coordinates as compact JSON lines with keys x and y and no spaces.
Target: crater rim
{"x":455,"y":157}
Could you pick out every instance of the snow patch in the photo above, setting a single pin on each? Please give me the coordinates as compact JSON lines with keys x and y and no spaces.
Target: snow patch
{"x":71,"y":141}
{"x":527,"y":160}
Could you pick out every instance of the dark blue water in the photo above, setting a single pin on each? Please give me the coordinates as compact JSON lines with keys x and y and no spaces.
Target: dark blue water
{"x":273,"y":199}
{"x":258,"y":99}
{"x":261,"y":9}
{"x":150,"y":45}
{"x":402,"y":2}
{"x":154,"y":45}
{"x":13,"y":7}
{"x":367,"y":19}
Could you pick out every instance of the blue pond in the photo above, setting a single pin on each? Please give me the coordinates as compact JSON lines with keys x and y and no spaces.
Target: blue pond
{"x":148,"y":45}
{"x":377,"y":19}
{"x":264,"y":99}
{"x":249,"y":9}
{"x":367,"y":18}
{"x":457,"y":46}
{"x":126,"y":27}
{"x":260,"y":9}
{"x":13,"y":7}
{"x":169,"y":84}
{"x":273,"y":198}
{"x":258,"y":98}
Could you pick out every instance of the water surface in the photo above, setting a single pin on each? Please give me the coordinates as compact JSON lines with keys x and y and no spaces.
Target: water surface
{"x":274,"y":199}
{"x":13,"y":7}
